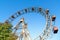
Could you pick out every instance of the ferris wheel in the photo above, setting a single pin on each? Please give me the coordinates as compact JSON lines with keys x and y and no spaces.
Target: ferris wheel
{"x":22,"y":25}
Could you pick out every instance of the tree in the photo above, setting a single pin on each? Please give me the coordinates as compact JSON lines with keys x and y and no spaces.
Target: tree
{"x":6,"y":32}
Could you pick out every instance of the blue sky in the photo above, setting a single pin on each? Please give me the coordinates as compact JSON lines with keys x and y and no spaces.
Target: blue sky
{"x":35,"y":22}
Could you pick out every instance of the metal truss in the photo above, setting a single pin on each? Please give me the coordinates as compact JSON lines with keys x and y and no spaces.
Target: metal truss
{"x":48,"y":27}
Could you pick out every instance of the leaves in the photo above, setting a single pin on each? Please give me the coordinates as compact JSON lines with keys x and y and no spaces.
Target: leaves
{"x":6,"y":32}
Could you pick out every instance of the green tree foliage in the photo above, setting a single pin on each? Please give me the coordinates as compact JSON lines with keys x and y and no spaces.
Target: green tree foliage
{"x":6,"y":32}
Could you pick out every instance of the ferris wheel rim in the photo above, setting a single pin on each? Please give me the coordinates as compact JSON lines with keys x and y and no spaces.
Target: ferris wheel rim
{"x":29,"y":10}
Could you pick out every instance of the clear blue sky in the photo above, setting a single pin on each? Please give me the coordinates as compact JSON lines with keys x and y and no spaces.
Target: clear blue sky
{"x":35,"y":22}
